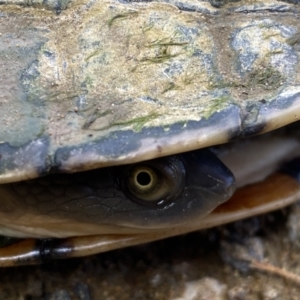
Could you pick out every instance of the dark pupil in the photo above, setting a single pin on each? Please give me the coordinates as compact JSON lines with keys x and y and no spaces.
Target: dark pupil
{"x":143,"y":178}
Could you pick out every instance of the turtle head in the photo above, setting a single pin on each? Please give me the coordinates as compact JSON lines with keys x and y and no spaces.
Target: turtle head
{"x":150,"y":196}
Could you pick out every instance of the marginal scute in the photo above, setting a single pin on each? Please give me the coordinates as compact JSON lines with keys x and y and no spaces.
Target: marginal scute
{"x":26,"y":162}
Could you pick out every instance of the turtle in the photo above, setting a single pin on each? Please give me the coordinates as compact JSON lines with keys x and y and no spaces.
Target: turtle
{"x":124,"y":122}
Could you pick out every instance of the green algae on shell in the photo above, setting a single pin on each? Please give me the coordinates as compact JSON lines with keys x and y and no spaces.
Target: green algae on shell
{"x":93,"y":84}
{"x":143,"y":79}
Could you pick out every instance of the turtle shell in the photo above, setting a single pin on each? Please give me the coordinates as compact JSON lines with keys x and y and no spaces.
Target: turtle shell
{"x":109,"y":83}
{"x":90,"y":84}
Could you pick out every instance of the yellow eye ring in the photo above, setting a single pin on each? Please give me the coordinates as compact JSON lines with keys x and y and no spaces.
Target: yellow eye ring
{"x":153,"y":183}
{"x":144,"y":178}
{"x":145,"y":182}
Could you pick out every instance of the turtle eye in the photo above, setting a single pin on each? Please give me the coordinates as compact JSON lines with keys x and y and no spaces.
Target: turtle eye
{"x":143,"y":181}
{"x":155,"y":182}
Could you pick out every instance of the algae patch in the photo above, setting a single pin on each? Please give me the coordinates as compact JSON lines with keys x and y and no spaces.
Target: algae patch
{"x":137,"y":123}
{"x":266,"y":78}
{"x":216,"y":104}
